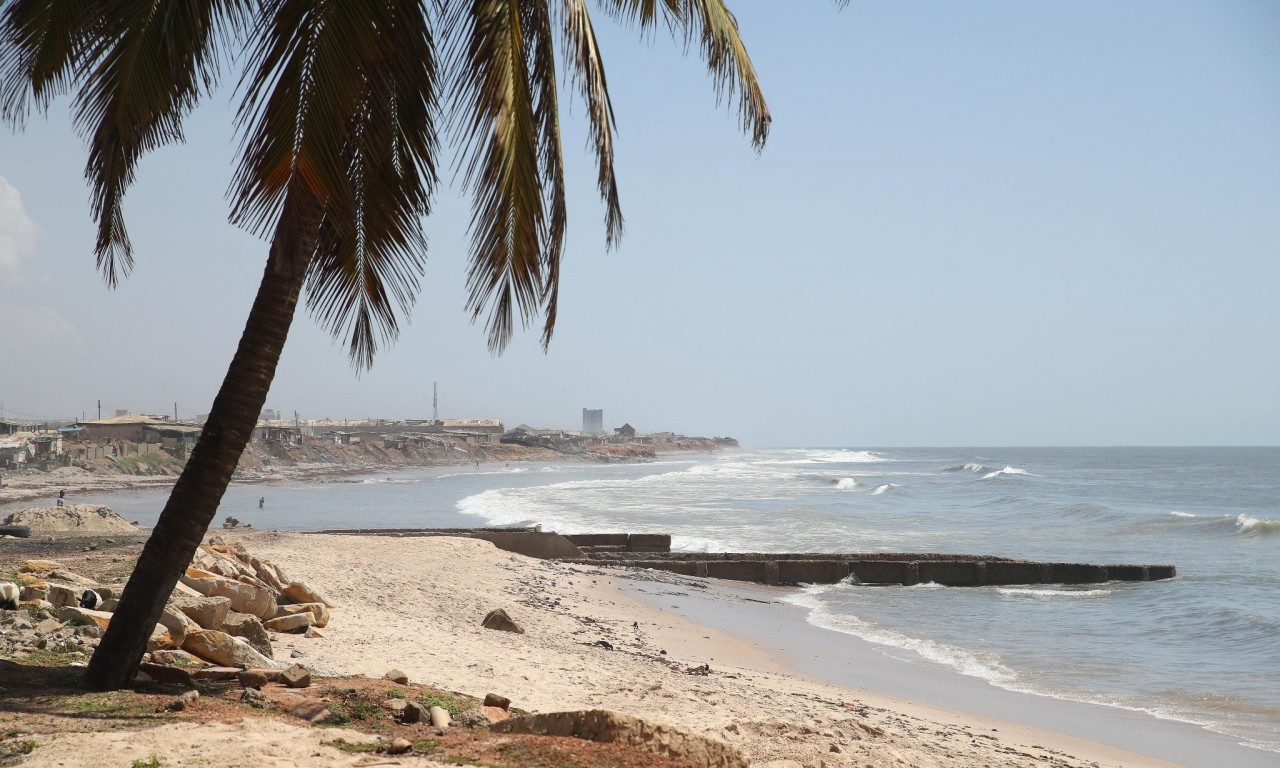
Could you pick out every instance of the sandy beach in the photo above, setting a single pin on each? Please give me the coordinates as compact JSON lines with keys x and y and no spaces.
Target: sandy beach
{"x":417,"y":603}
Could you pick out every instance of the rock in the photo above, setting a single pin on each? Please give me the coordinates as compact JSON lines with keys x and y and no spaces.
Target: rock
{"x":495,"y":714}
{"x":160,"y":640}
{"x":31,"y":580}
{"x":297,"y":653}
{"x":255,"y":678}
{"x":494,"y":700}
{"x":109,"y":604}
{"x":311,"y":710}
{"x":297,"y":592}
{"x":216,"y":674}
{"x":175,"y":658}
{"x":395,"y":706}
{"x":312,"y":632}
{"x":255,"y":698}
{"x":178,"y":624}
{"x":89,"y":630}
{"x":182,"y":702}
{"x":607,"y":726}
{"x":297,"y":622}
{"x":319,"y":612}
{"x":71,"y":519}
{"x":77,"y":615}
{"x":439,"y":717}
{"x":399,"y":746}
{"x":296,"y":676}
{"x":498,"y":619}
{"x":61,"y":594}
{"x":397,"y":677}
{"x":47,"y":626}
{"x":250,"y":628}
{"x":413,"y":712}
{"x":40,"y":566}
{"x":167,"y":675}
{"x":221,"y":648}
{"x":206,"y":612}
{"x":245,"y":598}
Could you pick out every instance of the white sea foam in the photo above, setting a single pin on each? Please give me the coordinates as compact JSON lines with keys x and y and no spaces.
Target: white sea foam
{"x":846,"y":484}
{"x":1051,"y":593}
{"x":1184,"y":514}
{"x":1256,"y":526}
{"x":969,"y":467}
{"x":981,"y":664}
{"x":1007,"y":471}
{"x":885,"y":487}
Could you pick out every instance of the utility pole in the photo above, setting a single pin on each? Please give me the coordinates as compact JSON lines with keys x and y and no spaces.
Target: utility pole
{"x":99,"y":410}
{"x":435,"y":402}
{"x":175,"y":411}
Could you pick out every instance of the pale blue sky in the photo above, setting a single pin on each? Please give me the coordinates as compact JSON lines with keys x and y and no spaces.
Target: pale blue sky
{"x":996,"y":223}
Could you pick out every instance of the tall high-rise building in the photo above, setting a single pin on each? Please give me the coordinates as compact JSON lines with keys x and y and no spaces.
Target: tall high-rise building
{"x":592,"y":421}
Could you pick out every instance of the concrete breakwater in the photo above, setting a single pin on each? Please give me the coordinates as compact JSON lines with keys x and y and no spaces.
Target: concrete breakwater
{"x":905,"y":568}
{"x":653,"y":550}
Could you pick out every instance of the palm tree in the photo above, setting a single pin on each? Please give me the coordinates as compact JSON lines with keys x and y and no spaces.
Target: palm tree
{"x":341,"y":103}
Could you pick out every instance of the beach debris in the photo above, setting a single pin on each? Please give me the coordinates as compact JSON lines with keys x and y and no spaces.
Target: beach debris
{"x":499,"y":620}
{"x":605,"y":644}
{"x":604,"y":725}
{"x":396,"y":676}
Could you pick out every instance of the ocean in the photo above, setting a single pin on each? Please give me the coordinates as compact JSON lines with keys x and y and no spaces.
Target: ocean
{"x":1202,"y":648}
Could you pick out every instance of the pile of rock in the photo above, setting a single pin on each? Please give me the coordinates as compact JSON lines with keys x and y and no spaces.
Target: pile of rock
{"x":222,"y":612}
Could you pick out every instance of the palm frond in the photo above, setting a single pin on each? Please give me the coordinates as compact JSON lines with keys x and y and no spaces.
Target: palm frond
{"x":41,"y":43}
{"x":715,"y":29}
{"x":338,"y":141}
{"x":588,"y":75}
{"x":499,"y":133}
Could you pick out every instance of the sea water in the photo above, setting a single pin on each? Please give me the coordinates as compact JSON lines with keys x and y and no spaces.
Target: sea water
{"x":1203,"y":647}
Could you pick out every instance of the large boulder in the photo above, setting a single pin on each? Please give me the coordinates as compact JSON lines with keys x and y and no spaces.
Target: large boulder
{"x":319,"y":612}
{"x":607,"y":726}
{"x":83,"y":616}
{"x":250,"y":628}
{"x":71,"y":520}
{"x":178,"y":624}
{"x":297,"y":592}
{"x":245,"y":598}
{"x":208,"y":612}
{"x":221,"y":648}
{"x":296,"y":622}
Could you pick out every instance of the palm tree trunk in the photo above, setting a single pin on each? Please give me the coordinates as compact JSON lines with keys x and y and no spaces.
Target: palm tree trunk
{"x":195,"y":497}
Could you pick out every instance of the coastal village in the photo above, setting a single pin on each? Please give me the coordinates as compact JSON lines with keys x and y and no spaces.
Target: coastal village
{"x":135,"y":443}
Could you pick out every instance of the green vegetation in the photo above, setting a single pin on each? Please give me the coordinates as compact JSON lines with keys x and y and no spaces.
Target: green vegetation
{"x":353,"y":706}
{"x":44,"y":657}
{"x":395,"y":693}
{"x":445,"y":701}
{"x":152,"y":761}
{"x":10,"y":749}
{"x":354,"y":747}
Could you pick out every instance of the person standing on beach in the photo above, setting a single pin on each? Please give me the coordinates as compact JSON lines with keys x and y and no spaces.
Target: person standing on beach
{"x":62,"y":493}
{"x":261,"y":501}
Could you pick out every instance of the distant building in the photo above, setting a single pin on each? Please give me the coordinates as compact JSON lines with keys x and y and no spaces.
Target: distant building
{"x":626,"y":432}
{"x":490,"y":426}
{"x":592,"y":421}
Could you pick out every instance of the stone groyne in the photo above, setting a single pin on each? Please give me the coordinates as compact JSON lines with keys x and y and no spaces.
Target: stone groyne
{"x":653,"y":550}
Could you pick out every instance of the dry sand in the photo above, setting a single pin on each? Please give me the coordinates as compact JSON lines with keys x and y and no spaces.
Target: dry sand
{"x":416,"y":604}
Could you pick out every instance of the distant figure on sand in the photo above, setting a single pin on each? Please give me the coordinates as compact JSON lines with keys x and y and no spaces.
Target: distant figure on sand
{"x":61,"y":494}
{"x":261,"y":501}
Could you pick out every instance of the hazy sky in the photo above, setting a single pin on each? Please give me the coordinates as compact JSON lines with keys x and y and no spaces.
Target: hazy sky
{"x":996,"y":223}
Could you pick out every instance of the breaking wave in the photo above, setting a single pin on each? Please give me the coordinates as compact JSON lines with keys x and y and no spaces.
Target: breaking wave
{"x":970,"y":467}
{"x":1051,"y":593}
{"x":1007,"y":471}
{"x":883,"y":488}
{"x":1242,"y":523}
{"x":846,"y":484}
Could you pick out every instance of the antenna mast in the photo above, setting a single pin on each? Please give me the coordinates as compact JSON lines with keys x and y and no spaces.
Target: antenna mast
{"x":435,"y":402}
